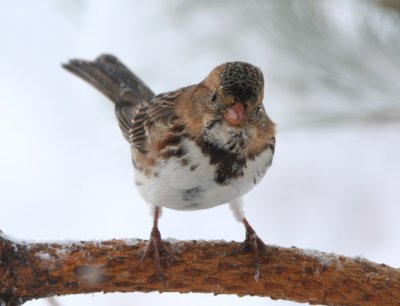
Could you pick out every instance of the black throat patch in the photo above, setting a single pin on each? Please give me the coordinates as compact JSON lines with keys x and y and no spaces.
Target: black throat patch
{"x":229,"y":165}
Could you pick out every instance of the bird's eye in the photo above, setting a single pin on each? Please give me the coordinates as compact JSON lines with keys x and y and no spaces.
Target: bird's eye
{"x":214,"y":97}
{"x":259,"y":111}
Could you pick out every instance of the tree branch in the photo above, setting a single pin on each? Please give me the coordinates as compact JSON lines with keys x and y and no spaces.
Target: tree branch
{"x":35,"y":270}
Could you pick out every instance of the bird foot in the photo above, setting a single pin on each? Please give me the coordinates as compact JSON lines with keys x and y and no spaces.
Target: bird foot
{"x":157,"y":246}
{"x":255,"y":243}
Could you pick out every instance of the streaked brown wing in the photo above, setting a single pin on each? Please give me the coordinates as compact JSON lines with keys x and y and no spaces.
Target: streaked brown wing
{"x":154,"y":116}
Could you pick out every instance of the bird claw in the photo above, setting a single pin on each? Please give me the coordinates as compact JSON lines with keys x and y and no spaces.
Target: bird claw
{"x":258,"y":246}
{"x":156,"y":246}
{"x":255,"y":243}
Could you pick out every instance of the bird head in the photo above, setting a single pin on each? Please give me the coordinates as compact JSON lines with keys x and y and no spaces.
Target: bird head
{"x":229,"y":103}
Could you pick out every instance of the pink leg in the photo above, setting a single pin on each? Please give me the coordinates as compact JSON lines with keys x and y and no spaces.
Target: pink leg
{"x":256,"y":244}
{"x":156,"y":245}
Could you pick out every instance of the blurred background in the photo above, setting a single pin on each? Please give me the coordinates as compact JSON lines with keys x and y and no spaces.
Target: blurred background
{"x":332,"y":71}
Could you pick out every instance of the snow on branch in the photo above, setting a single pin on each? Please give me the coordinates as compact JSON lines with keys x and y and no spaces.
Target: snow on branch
{"x":36,"y":270}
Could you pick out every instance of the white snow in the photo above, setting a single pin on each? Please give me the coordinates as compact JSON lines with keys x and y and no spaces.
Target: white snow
{"x":43,"y":255}
{"x":325,"y":259}
{"x":131,"y":241}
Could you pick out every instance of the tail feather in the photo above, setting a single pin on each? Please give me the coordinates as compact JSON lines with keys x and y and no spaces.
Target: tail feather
{"x":112,"y":78}
{"x":115,"y":81}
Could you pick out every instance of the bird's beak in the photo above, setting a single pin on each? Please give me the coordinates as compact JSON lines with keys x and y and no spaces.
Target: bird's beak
{"x":234,"y":114}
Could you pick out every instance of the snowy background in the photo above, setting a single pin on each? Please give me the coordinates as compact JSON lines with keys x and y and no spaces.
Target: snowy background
{"x":332,"y":71}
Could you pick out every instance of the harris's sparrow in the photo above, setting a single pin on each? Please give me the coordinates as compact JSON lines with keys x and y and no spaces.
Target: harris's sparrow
{"x":193,"y":148}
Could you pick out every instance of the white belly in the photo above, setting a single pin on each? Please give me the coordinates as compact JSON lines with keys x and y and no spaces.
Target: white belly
{"x":178,"y":187}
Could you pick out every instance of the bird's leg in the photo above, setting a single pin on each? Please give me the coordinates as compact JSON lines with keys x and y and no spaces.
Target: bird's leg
{"x":252,"y":240}
{"x":156,"y":245}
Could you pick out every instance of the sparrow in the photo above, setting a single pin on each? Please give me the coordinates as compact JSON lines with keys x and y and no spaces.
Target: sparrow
{"x":193,"y":148}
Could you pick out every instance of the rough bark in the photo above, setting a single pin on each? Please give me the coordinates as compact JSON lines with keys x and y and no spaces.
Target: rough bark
{"x":35,"y":270}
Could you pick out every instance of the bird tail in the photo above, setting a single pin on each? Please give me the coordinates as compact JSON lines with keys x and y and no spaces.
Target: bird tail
{"x":115,"y":81}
